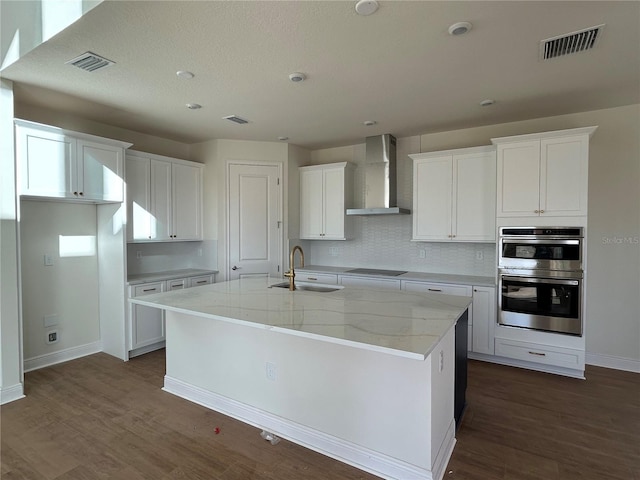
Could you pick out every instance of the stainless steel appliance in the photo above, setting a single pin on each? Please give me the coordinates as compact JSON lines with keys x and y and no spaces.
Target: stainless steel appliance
{"x":541,"y":278}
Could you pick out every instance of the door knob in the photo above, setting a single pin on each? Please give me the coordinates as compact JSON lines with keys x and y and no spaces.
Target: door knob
{"x":235,"y":268}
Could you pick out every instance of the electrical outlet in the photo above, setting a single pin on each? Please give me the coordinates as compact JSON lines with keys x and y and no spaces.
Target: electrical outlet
{"x":333,"y":251}
{"x":441,"y":362}
{"x":52,"y":337}
{"x":138,"y":254}
{"x":199,"y":252}
{"x":48,"y":260}
{"x":479,"y":255}
{"x":272,"y":371}
{"x":422,"y":253}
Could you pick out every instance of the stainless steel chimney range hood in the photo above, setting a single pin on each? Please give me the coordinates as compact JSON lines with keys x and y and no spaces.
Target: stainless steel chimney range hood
{"x":380,"y":178}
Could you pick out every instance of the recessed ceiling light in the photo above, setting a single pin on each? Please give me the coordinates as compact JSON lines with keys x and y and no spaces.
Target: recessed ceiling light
{"x":368,"y":123}
{"x":184,"y":74}
{"x":193,"y":106}
{"x":366,"y":7}
{"x":459,"y":28}
{"x":487,"y":102}
{"x":283,"y":139}
{"x":297,"y":77}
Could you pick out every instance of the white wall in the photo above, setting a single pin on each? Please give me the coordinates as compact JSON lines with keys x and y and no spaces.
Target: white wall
{"x":68,"y":288}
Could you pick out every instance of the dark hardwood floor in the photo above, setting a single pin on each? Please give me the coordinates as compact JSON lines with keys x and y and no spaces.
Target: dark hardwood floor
{"x":100,"y":418}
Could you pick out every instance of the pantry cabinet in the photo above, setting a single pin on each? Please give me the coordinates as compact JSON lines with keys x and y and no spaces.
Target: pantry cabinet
{"x":543,"y":175}
{"x":454,"y":195}
{"x":324,"y":197}
{"x":164,"y":198}
{"x":63,"y":165}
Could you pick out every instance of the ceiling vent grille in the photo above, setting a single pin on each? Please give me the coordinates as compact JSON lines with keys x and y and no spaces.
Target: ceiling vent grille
{"x":570,"y":43}
{"x":90,"y":62}
{"x":236,"y":119}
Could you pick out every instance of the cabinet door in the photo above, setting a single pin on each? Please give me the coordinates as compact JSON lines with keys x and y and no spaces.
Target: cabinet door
{"x":432,"y":188}
{"x":187,"y":202}
{"x":333,"y":204}
{"x":160,"y":200}
{"x":147,"y":323}
{"x":138,"y":178}
{"x":46,"y":163}
{"x":564,"y":176}
{"x":519,"y":179}
{"x":484,"y":319}
{"x":100,"y":171}
{"x":474,"y":210}
{"x":311,"y":204}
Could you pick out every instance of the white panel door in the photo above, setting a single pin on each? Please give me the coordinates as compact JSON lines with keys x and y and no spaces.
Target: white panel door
{"x":432,"y":184}
{"x":186,"y":199}
{"x":519,"y":179}
{"x":334,"y":210}
{"x":311,"y":204}
{"x":255,"y":236}
{"x":474,"y":212}
{"x":100,"y":171}
{"x":564,"y":176}
{"x":138,"y":177}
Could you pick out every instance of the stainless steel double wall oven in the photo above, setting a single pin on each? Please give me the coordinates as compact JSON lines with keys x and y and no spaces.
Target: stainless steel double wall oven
{"x":540,"y":272}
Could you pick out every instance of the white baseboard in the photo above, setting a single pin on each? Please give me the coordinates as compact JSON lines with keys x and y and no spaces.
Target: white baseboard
{"x":12,"y":393}
{"x":60,"y":356}
{"x":609,"y":361}
{"x":334,"y":447}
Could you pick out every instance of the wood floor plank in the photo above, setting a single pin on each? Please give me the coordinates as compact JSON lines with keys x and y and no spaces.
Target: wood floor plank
{"x":99,"y":418}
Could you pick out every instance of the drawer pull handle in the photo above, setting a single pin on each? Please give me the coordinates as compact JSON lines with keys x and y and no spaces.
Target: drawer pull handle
{"x":312,"y":278}
{"x":201,"y":281}
{"x":435,"y":290}
{"x":149,"y":290}
{"x":538,"y":354}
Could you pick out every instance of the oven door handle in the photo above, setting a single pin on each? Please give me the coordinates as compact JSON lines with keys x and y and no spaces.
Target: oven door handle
{"x":530,"y":241}
{"x":541,"y":280}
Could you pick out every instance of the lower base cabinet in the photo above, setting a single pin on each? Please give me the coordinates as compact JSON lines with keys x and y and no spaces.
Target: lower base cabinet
{"x":147,"y":325}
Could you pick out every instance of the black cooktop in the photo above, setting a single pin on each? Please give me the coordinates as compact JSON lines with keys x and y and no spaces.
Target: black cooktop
{"x":375,"y":271}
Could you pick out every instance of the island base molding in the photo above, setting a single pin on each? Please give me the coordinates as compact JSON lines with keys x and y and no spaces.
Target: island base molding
{"x":334,"y":447}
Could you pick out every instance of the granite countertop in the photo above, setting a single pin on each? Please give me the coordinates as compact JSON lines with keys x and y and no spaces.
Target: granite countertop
{"x":416,"y":276}
{"x":395,"y":322}
{"x":139,"y":278}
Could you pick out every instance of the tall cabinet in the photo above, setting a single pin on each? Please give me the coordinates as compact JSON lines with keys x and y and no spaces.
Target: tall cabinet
{"x":164,"y":198}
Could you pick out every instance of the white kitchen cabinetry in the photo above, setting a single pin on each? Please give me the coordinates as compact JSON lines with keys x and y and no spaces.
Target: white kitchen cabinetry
{"x":454,"y":195}
{"x":325,"y":278}
{"x":164,"y":197}
{"x":543,"y":175}
{"x":484,"y":319}
{"x":324,"y":198}
{"x":147,"y":323}
{"x":199,"y":281}
{"x":59,"y":164}
{"x":354,"y":281}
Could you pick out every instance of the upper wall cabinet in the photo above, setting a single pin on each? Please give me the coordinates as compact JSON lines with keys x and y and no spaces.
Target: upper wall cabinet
{"x":454,"y":195}
{"x":59,"y":164}
{"x":543,"y":175}
{"x":324,"y":198}
{"x":164,"y":198}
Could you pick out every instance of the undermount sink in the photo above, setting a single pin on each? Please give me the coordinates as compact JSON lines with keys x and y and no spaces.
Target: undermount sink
{"x":310,"y":287}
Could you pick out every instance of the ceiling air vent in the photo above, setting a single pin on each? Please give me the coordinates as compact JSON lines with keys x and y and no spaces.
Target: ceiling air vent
{"x":236,"y":119}
{"x":90,"y":62}
{"x":570,"y":43}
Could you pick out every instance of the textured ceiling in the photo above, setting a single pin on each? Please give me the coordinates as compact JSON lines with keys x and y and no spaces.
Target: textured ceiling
{"x":398,"y":67}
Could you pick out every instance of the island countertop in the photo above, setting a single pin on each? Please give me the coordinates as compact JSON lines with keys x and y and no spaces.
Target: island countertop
{"x":399,"y":323}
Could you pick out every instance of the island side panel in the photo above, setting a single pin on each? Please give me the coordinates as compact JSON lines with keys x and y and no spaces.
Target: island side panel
{"x":375,"y":400}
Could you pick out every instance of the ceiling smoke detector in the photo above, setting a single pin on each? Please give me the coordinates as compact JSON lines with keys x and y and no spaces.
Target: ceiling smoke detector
{"x":90,"y":62}
{"x":459,"y":28}
{"x":236,"y":119}
{"x":185,"y":74}
{"x":366,"y":7}
{"x":297,"y":77}
{"x":194,"y":106}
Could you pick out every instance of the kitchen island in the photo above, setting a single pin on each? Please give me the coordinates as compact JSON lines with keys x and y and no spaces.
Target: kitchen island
{"x":365,"y":376}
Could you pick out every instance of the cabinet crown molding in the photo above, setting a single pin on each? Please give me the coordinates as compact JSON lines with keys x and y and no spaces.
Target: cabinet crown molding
{"x":453,"y":151}
{"x":78,"y":135}
{"x":537,"y":136}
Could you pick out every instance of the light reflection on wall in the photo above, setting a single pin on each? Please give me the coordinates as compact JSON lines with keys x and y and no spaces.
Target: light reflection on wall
{"x":77,"y":245}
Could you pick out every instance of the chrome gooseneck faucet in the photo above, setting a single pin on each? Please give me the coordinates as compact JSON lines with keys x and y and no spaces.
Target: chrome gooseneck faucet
{"x":291,"y":274}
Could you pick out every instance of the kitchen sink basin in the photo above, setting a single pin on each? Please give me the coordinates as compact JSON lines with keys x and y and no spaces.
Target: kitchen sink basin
{"x":310,"y":287}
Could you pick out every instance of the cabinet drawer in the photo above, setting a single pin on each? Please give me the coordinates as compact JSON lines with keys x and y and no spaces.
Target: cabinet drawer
{"x":538,"y":353}
{"x":317,"y":277}
{"x":446,"y":289}
{"x":147,"y":289}
{"x":370,"y":282}
{"x":201,"y":280}
{"x":176,"y":284}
